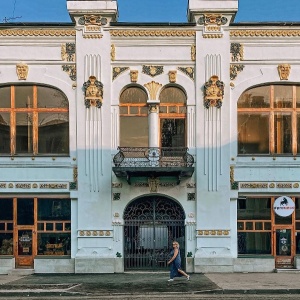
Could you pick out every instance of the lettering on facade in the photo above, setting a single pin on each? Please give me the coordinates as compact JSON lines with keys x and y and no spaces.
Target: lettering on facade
{"x":53,"y":186}
{"x":23,"y":186}
{"x":2,"y":185}
{"x":284,"y":185}
{"x":253,"y":185}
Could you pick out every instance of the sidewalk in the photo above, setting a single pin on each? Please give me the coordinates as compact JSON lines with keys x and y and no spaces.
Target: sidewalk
{"x":147,"y":284}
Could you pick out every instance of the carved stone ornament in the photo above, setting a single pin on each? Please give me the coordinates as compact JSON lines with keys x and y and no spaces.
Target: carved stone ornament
{"x":212,"y":19}
{"x":134,"y":74}
{"x":284,"y":71}
{"x":153,"y":184}
{"x":117,"y":71}
{"x":189,"y":71}
{"x":213,"y":92}
{"x":153,"y":70}
{"x":193,"y":52}
{"x":113,"y":52}
{"x":153,"y":88}
{"x":71,"y":70}
{"x":234,"y":70}
{"x":93,"y":92}
{"x":22,"y":71}
{"x":68,"y":52}
{"x":237,"y":52}
{"x":172,"y":76}
{"x":92,"y":25}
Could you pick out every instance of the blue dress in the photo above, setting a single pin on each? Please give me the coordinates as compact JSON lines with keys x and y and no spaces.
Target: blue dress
{"x":175,"y":265}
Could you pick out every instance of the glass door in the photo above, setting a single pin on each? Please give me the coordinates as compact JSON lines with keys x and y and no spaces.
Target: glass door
{"x":284,"y":247}
{"x":24,"y":232}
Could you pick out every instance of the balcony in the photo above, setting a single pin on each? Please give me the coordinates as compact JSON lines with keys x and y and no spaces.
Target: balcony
{"x":153,"y":162}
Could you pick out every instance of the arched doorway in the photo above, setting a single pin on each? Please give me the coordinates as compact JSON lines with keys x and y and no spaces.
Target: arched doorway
{"x":151,"y":223}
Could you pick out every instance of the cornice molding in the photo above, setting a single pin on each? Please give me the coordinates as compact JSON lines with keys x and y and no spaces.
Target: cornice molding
{"x":264,"y":33}
{"x":167,"y":33}
{"x":37,"y":32}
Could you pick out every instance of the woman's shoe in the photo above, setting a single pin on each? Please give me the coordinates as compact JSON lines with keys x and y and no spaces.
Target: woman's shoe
{"x":188,"y":277}
{"x":171,"y":279}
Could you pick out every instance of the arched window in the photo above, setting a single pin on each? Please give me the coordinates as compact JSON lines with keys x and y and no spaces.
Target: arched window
{"x":172,"y":112}
{"x":34,"y":120}
{"x":133,"y":117}
{"x":269,"y":120}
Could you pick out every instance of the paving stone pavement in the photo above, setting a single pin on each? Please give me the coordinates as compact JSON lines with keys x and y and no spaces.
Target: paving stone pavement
{"x":135,"y":283}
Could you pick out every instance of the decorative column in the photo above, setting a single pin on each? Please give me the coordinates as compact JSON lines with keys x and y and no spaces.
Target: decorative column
{"x":153,"y":120}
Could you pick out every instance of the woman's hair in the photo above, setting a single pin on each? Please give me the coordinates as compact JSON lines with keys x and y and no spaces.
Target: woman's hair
{"x":175,"y":242}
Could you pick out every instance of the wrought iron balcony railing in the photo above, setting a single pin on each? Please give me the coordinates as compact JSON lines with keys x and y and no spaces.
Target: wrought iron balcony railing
{"x":151,"y":157}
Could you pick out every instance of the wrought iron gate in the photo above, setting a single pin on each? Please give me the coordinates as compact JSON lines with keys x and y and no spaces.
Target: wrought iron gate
{"x":151,"y":224}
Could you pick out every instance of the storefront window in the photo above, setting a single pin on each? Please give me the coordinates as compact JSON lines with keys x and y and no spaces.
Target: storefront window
{"x":50,"y":217}
{"x":6,"y":226}
{"x":254,"y":225}
{"x":54,"y":226}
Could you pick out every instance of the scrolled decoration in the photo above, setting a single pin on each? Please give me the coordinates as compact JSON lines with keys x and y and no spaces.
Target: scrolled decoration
{"x":22,"y":71}
{"x":93,"y":92}
{"x":213,"y":92}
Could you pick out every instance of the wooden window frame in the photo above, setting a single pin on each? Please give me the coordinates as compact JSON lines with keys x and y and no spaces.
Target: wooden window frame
{"x":34,"y":110}
{"x":294,"y":111}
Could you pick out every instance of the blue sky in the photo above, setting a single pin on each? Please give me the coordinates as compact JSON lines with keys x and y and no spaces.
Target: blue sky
{"x":149,"y":10}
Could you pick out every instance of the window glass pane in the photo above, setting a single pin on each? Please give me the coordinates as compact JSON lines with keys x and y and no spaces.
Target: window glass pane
{"x":40,"y":226}
{"x":53,"y":133}
{"x":258,"y":225}
{"x":6,"y":211}
{"x":172,"y":132}
{"x":134,"y":110}
{"x":123,"y":110}
{"x":162,"y":109}
{"x":4,"y":132}
{"x":283,"y":96}
{"x":283,"y":133}
{"x":134,"y":131}
{"x":23,"y":96}
{"x":51,"y":98}
{"x":258,"y":97}
{"x":54,"y":209}
{"x":6,"y":244}
{"x":49,"y":227}
{"x":25,"y":214}
{"x":54,"y":244}
{"x":253,"y":133}
{"x":254,"y":242}
{"x":172,"y":95}
{"x":254,"y":209}
{"x":283,"y":220}
{"x":5,"y":97}
{"x":23,"y":132}
{"x":134,"y":95}
{"x":297,"y":96}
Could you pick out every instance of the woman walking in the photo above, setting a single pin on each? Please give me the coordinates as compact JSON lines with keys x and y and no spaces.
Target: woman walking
{"x":175,"y":262}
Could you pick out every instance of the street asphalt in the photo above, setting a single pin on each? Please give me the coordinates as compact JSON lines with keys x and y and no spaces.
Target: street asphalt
{"x":140,"y":283}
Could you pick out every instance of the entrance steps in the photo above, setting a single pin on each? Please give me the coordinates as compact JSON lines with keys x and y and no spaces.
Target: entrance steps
{"x":287,"y":271}
{"x":21,"y":272}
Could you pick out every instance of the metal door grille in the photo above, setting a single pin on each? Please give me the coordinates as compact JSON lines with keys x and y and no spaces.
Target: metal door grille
{"x":151,"y":224}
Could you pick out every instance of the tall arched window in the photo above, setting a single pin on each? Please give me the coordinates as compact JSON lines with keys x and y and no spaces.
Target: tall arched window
{"x":172,"y":113}
{"x":34,"y":120}
{"x":133,"y":117}
{"x":269,"y":120}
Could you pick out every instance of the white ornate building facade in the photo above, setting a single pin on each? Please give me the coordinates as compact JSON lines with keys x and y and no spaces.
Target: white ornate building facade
{"x":118,"y":138}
